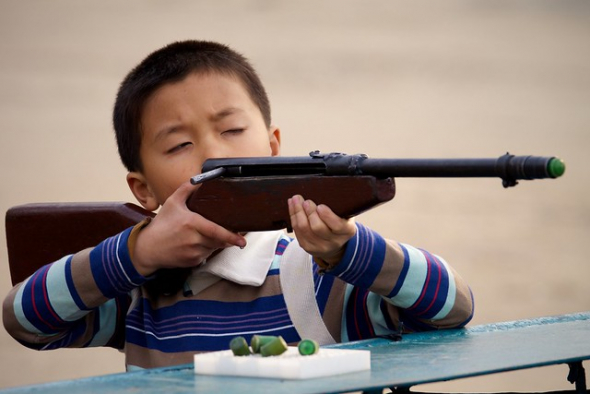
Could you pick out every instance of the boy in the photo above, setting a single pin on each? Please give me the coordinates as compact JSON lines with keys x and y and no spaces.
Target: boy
{"x":185,"y":103}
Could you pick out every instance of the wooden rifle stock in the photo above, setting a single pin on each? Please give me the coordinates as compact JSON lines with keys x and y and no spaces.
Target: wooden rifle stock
{"x":38,"y":234}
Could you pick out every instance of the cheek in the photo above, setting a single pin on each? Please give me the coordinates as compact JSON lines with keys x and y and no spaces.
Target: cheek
{"x":167,"y":181}
{"x":260,"y":145}
{"x":177,"y":175}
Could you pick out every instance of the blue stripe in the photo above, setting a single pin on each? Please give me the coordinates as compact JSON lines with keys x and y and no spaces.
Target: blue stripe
{"x":412,"y":324}
{"x":207,"y":325}
{"x":217,"y":312}
{"x":34,"y":294}
{"x":117,"y":340}
{"x":349,"y":254}
{"x":71,"y":287}
{"x":322,"y":287}
{"x":112,"y":268}
{"x":402,"y":275}
{"x":202,"y":344}
{"x":428,"y":290}
{"x":74,"y":332}
{"x":370,"y":253}
{"x":361,"y":260}
{"x":356,"y":319}
{"x":432,"y":297}
{"x":443,"y":290}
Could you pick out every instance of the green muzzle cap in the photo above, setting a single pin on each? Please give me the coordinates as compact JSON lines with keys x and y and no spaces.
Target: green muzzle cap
{"x":555,"y":167}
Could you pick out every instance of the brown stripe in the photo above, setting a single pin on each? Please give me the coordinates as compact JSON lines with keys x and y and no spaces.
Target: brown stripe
{"x":149,"y":358}
{"x":223,"y":291}
{"x":10,"y":321}
{"x":393,"y":313}
{"x":333,"y":312}
{"x":227,"y":291}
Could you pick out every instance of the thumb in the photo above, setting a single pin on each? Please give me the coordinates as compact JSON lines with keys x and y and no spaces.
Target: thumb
{"x":184,"y":191}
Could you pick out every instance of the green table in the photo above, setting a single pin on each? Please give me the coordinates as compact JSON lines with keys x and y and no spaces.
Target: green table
{"x":416,"y":359}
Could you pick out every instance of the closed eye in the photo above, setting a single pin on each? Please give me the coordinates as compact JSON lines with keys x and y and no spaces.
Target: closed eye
{"x":233,"y":131}
{"x":179,"y":147}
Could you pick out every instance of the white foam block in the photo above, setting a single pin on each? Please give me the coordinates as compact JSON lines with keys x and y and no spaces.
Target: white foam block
{"x":289,"y":365}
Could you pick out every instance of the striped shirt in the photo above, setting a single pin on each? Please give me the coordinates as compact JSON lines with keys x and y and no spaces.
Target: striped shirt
{"x":97,"y":298}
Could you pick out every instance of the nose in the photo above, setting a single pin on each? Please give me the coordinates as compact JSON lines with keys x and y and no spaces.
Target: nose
{"x":212,"y":149}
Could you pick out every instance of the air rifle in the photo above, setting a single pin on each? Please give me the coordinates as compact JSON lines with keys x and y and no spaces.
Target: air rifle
{"x":250,"y":194}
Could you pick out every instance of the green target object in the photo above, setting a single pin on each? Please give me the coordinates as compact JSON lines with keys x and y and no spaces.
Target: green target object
{"x":307,"y":347}
{"x":275,"y":347}
{"x":239,"y":346}
{"x":258,"y":341}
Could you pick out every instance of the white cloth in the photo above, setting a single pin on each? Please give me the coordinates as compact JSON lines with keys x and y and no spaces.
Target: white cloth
{"x":247,"y":266}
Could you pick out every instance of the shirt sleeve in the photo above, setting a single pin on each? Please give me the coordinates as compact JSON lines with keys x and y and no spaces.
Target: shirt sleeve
{"x":394,"y":287}
{"x":78,"y":301}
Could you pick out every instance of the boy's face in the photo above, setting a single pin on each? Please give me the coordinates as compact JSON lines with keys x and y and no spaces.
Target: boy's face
{"x":184,"y":123}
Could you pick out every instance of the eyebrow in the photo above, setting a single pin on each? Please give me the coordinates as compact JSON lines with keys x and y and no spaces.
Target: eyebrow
{"x":166,"y":131}
{"x":224,"y":113}
{"x":216,"y":117}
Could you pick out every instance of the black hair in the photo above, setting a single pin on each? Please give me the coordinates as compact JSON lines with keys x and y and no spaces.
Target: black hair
{"x":173,"y":63}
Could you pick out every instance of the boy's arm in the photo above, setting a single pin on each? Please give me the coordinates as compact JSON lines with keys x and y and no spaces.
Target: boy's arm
{"x":416,"y":288}
{"x":81,"y":300}
{"x":77,"y":301}
{"x":413,"y":286}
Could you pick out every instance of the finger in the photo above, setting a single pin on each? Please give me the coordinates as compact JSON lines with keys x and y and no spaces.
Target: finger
{"x":215,"y":235}
{"x":183,"y":192}
{"x":290,"y":205}
{"x":316,"y":224}
{"x":335,"y":223}
{"x":296,"y":212}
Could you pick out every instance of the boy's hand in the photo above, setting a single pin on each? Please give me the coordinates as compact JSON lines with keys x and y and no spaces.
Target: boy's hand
{"x":319,"y":230}
{"x":178,"y":237}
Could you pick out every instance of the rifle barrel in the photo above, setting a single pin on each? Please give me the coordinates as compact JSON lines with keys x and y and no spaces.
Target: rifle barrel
{"x":516,"y":167}
{"x":508,"y":167}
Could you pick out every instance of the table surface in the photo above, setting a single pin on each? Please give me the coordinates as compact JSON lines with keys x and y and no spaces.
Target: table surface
{"x":416,"y":359}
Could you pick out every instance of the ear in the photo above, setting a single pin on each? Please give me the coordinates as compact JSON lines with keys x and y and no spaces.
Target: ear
{"x":274,"y":135}
{"x":141,"y":190}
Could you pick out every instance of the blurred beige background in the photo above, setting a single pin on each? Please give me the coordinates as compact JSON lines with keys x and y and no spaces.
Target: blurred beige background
{"x":386,"y":78}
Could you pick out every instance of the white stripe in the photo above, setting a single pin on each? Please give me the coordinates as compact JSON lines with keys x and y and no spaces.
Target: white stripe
{"x":451,"y":293}
{"x":276,"y":261}
{"x":414,"y":280}
{"x":319,"y":285}
{"x":58,"y":293}
{"x":18,"y":310}
{"x":356,"y":246}
{"x":121,"y":264}
{"x":207,"y":335}
{"x":107,"y":313}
